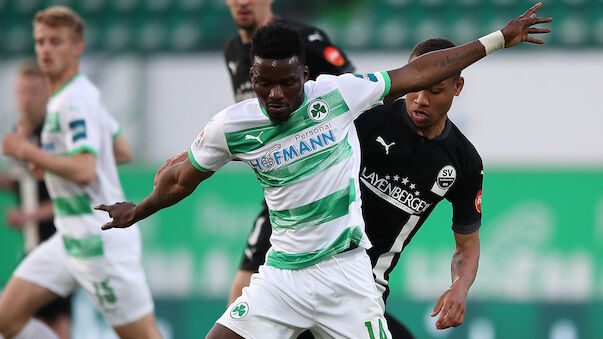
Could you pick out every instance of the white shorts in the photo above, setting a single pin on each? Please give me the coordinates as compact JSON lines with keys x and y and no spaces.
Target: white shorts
{"x":116,"y":284}
{"x":336,"y":298}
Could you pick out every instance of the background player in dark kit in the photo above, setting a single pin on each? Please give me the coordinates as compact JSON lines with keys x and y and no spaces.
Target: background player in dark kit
{"x":322,"y":57}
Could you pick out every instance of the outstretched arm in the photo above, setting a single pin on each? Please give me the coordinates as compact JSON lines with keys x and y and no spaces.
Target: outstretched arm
{"x":176,"y":183}
{"x":434,"y":67}
{"x":452,"y":304}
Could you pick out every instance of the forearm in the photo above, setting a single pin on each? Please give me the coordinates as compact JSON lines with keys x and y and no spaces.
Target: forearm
{"x":169,"y":190}
{"x":465,"y":261}
{"x":67,"y":167}
{"x":44,"y":212}
{"x":431,"y":68}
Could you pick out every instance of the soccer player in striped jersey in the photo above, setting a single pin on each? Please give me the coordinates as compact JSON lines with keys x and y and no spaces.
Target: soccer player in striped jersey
{"x":300,"y":140}
{"x":81,"y":144}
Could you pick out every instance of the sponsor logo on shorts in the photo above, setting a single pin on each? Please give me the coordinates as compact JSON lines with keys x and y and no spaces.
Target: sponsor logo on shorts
{"x":478,"y":202}
{"x":239,"y":311}
{"x":318,"y":110}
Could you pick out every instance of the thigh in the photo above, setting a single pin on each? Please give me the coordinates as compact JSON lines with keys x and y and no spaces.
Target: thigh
{"x":20,"y":300}
{"x":48,"y":266}
{"x":349,"y":304}
{"x":117,"y":287}
{"x":143,"y":328}
{"x":273,"y":306}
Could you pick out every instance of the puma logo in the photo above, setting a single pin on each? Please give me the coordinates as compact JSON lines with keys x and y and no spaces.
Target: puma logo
{"x":382,"y":142}
{"x":257,"y":138}
{"x":315,"y":37}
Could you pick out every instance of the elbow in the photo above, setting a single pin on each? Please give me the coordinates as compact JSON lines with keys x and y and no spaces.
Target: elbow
{"x":84,"y":178}
{"x":123,"y":158}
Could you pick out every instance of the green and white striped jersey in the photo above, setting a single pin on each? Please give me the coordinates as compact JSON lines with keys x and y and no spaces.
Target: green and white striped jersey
{"x":307,"y":165}
{"x":77,"y":122}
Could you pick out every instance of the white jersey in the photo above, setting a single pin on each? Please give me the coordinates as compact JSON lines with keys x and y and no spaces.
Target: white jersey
{"x":77,"y":122}
{"x":307,"y":165}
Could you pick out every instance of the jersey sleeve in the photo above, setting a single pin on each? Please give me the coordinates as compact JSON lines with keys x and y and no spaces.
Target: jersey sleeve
{"x":362,"y":91}
{"x":322,"y":57}
{"x":80,"y":128}
{"x":209,"y":152}
{"x":466,"y":199}
{"x":113,"y":125}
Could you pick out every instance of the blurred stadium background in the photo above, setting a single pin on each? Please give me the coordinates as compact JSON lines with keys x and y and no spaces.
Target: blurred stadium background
{"x":534,"y":113}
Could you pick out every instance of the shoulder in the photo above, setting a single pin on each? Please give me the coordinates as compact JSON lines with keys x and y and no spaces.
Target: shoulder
{"x":231,"y":44}
{"x":465,"y":148}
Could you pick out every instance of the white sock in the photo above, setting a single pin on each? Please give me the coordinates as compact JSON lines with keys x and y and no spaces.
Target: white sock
{"x":36,"y":329}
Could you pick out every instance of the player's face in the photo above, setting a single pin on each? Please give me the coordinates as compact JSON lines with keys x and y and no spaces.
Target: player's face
{"x":279,"y":85}
{"x":429,"y":108}
{"x":249,"y":14}
{"x":32,"y":94}
{"x":56,"y":48}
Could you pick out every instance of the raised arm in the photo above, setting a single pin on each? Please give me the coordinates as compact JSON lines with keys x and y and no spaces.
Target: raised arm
{"x":452,"y":304}
{"x":174,"y":184}
{"x":434,"y":67}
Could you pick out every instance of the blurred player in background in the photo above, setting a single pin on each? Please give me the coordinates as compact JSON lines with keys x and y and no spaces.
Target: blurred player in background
{"x":34,"y":214}
{"x":322,"y":57}
{"x":80,"y":145}
{"x":300,"y":140}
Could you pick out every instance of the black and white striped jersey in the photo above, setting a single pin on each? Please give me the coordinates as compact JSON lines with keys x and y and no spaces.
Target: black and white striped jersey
{"x":404,"y":175}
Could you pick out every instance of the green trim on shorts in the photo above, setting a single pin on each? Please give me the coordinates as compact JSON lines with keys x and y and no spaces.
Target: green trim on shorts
{"x":85,"y":247}
{"x":72,"y":206}
{"x":333,"y":206}
{"x":282,"y":260}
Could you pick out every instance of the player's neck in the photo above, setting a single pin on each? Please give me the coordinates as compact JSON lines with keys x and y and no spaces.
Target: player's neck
{"x":433,"y":131}
{"x":247,"y":34}
{"x":58,"y":81}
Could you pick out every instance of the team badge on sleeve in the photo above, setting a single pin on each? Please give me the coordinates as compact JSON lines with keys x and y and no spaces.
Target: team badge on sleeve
{"x":197,"y":142}
{"x":334,"y":56}
{"x":478,"y":202}
{"x":78,"y":128}
{"x":369,"y":77}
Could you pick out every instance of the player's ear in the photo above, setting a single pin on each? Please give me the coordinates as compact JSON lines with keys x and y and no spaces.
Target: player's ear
{"x":458,"y":86}
{"x":251,"y":74}
{"x":306,"y":73}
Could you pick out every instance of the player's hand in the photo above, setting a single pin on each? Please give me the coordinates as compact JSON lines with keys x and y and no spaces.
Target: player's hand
{"x":178,"y":158}
{"x":519,"y":29}
{"x":37,"y":171}
{"x":451,"y":307}
{"x":14,"y":144}
{"x":121,"y":212}
{"x":16,"y":218}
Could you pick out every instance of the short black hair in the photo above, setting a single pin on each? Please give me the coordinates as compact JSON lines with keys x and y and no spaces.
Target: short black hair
{"x":277,"y":41}
{"x":431,"y":45}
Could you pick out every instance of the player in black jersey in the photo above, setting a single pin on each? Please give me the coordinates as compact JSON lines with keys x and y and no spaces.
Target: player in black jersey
{"x":322,"y":57}
{"x":413,"y":157}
